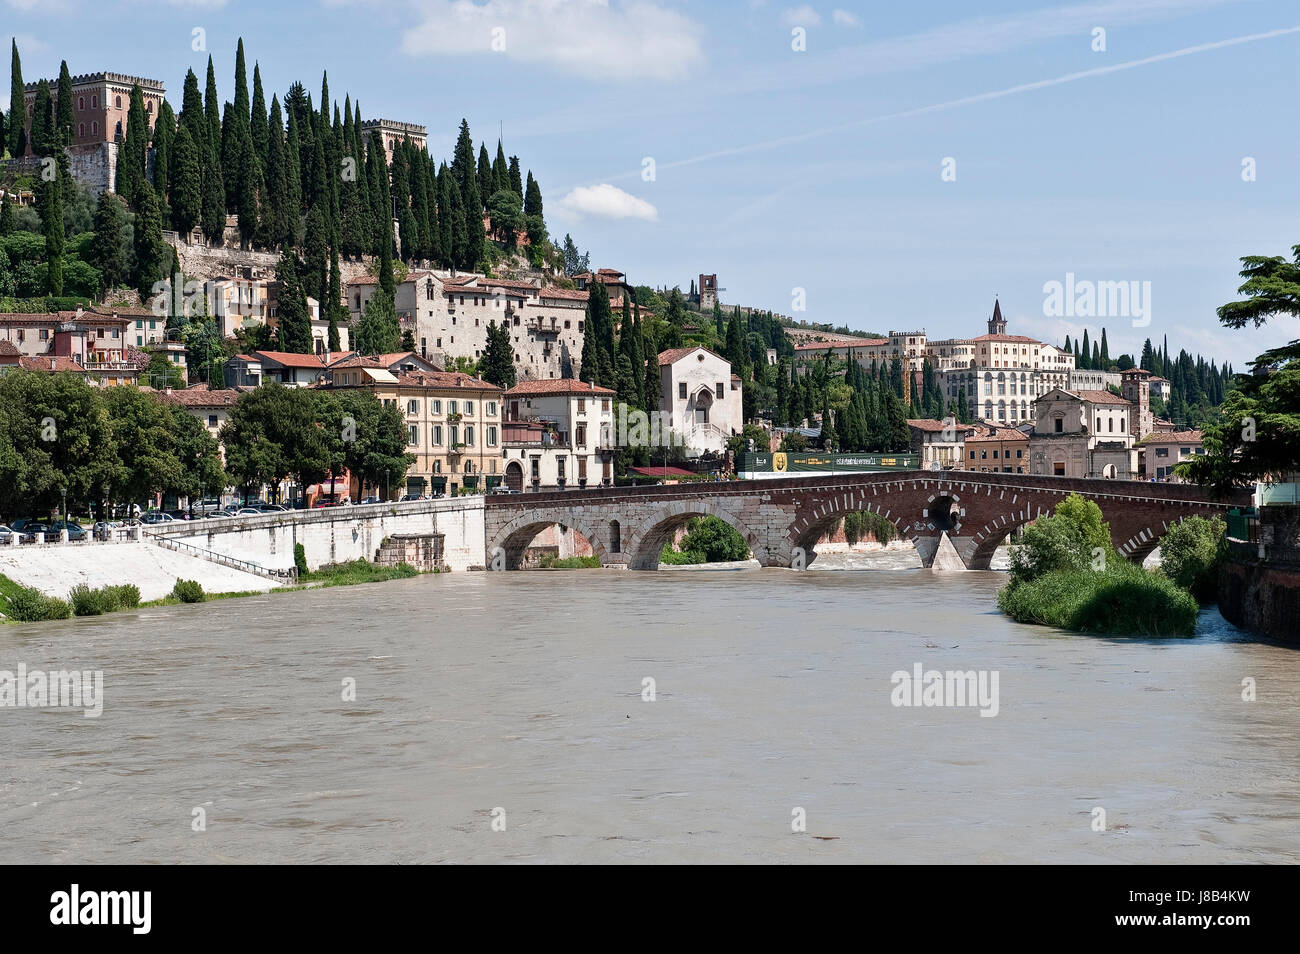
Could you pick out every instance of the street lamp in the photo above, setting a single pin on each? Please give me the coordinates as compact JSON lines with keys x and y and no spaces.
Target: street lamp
{"x":64,"y":492}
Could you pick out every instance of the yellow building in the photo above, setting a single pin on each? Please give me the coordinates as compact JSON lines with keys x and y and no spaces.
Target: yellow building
{"x":453,"y":423}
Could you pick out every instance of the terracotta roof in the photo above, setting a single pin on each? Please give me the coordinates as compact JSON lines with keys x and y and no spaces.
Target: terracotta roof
{"x":1022,"y":339}
{"x":673,"y":355}
{"x":508,"y":283}
{"x":200,"y":397}
{"x":1100,"y":397}
{"x":358,"y":361}
{"x":991,"y":432}
{"x":930,"y":424}
{"x":8,"y":347}
{"x":570,"y":293}
{"x":557,"y":386}
{"x":50,"y":363}
{"x":1173,"y":437}
{"x":365,"y":280}
{"x":290,"y":359}
{"x":444,"y":379}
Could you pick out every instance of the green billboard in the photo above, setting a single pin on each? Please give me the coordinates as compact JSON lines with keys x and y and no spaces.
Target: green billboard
{"x":780,"y":464}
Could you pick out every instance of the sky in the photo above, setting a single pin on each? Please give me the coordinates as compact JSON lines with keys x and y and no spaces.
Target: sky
{"x":881,"y":165}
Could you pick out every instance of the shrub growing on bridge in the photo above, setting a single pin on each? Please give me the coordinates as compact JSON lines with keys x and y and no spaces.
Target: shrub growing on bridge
{"x":1190,"y":554}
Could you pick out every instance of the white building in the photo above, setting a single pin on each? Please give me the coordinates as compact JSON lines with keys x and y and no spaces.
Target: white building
{"x":449,"y":316}
{"x":701,"y":396}
{"x":558,"y":434}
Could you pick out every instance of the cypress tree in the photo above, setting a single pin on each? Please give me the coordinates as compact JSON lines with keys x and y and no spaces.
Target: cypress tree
{"x":230,"y":146}
{"x":475,"y":236}
{"x":164,"y":147}
{"x":293,"y":180}
{"x":249,"y":182}
{"x":131,"y":161}
{"x":1105,"y":351}
{"x":534,"y":221}
{"x":334,"y":302}
{"x":51,"y":209}
{"x":258,"y":127}
{"x":462,"y":161}
{"x":484,"y":176}
{"x":515,"y":182}
{"x":6,"y":214}
{"x":214,"y":198}
{"x":150,"y":251}
{"x":420,"y":204}
{"x":17,"y":105}
{"x":65,"y":116}
{"x":1086,"y":356}
{"x":378,"y":331}
{"x":186,"y":184}
{"x":589,"y":360}
{"x":107,"y":251}
{"x":241,"y":86}
{"x":291,"y":307}
{"x":39,"y":138}
{"x":500,"y":171}
{"x":192,"y":117}
{"x":315,"y":266}
{"x":212,"y":110}
{"x":279,"y":228}
{"x":451,"y":217}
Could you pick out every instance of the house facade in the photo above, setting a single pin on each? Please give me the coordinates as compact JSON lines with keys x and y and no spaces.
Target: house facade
{"x":1083,"y":434}
{"x":701,"y":397}
{"x":558,"y":434}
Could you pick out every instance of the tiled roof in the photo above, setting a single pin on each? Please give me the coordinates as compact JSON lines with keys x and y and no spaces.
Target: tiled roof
{"x":8,"y":347}
{"x":444,"y":379}
{"x":358,"y":361}
{"x":1101,"y":397}
{"x":50,"y":363}
{"x":930,"y":424}
{"x":662,"y":471}
{"x":673,"y":355}
{"x":991,"y":432}
{"x":557,"y":386}
{"x":570,"y":293}
{"x":289,"y":359}
{"x":1173,"y":437}
{"x":1021,"y":339}
{"x":200,"y":397}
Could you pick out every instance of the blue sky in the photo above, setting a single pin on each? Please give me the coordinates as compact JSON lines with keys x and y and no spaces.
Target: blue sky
{"x":819,"y":169}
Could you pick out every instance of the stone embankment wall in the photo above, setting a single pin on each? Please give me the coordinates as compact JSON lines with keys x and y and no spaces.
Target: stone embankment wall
{"x":55,"y":568}
{"x":421,"y":550}
{"x":339,"y":534}
{"x":1259,"y":584}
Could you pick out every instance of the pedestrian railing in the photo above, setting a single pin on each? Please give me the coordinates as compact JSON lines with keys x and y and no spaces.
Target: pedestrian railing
{"x":289,"y":575}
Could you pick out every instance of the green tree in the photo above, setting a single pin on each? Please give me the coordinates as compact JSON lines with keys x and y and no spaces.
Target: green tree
{"x":51,"y":208}
{"x":1191,"y":552}
{"x":151,"y":252}
{"x":291,"y":308}
{"x":378,"y":331}
{"x":716,"y":539}
{"x":214,"y":199}
{"x":41,"y":136}
{"x":65,"y":115}
{"x":375,"y":450}
{"x":186,"y":184}
{"x":144,"y":433}
{"x":199,"y":455}
{"x":506,"y":213}
{"x":17,"y":106}
{"x":274,"y":433}
{"x":497,"y":365}
{"x":108,"y":248}
{"x":131,"y":160}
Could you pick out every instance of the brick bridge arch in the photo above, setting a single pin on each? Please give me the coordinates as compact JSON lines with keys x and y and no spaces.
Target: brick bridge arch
{"x":976,"y":510}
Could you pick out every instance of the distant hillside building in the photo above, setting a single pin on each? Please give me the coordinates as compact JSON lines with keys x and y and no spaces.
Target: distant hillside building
{"x":101,"y":102}
{"x":708,"y":292}
{"x":701,"y":396}
{"x":391,"y":132}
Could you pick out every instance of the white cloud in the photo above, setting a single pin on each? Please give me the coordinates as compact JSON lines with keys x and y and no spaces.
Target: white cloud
{"x":595,"y":39}
{"x":845,"y":19}
{"x":605,"y":201}
{"x":804,"y":16}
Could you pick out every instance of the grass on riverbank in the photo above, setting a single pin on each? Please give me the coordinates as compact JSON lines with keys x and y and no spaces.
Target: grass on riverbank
{"x":1121,"y":600}
{"x":19,"y":603}
{"x":569,"y":563}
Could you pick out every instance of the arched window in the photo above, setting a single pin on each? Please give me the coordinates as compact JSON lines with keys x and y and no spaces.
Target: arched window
{"x":81,"y":102}
{"x":988,"y":410}
{"x":117,"y":102}
{"x":81,"y":129}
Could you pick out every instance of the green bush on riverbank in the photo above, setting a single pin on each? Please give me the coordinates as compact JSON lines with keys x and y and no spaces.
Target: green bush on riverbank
{"x":1065,"y":573}
{"x":26,"y":604}
{"x":357,"y":571}
{"x":569,"y":563}
{"x":1121,"y":600}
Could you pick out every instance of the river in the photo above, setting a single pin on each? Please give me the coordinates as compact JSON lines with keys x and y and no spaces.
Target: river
{"x":524,"y":692}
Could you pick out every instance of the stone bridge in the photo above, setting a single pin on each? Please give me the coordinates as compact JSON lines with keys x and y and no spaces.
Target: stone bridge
{"x":782,"y":519}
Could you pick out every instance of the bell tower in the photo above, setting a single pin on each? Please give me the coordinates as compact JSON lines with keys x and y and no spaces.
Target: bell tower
{"x":997,"y":324}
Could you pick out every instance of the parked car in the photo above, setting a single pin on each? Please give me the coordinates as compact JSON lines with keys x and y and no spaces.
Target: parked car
{"x":6,"y":533}
{"x":248,"y":512}
{"x":31,"y":528}
{"x":76,"y":532}
{"x":503,"y":489}
{"x":373,"y":500}
{"x":272,"y":508}
{"x":158,"y":516}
